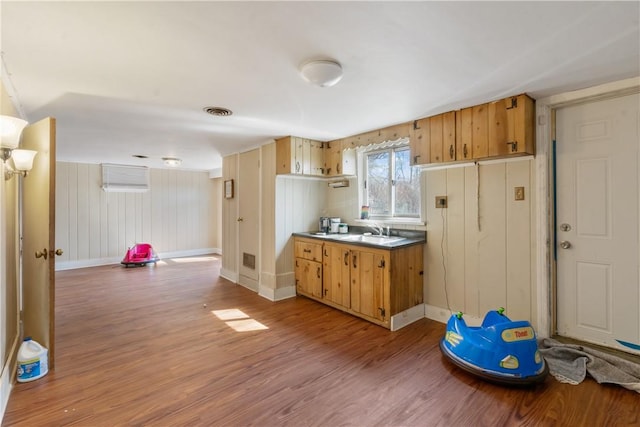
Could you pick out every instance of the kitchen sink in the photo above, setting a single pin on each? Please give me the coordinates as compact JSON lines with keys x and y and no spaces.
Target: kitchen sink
{"x":378,"y":240}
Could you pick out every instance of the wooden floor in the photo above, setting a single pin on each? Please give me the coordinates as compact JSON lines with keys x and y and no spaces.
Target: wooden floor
{"x":138,"y":347}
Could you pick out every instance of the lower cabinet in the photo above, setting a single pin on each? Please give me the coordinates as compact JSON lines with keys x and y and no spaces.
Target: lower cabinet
{"x":308,"y":268}
{"x":336,"y":262}
{"x":371,"y":283}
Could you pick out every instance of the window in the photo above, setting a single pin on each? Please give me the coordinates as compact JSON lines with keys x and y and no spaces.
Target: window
{"x":392,"y":186}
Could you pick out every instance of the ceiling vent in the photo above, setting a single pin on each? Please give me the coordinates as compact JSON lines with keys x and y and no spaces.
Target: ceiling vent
{"x":124,"y":178}
{"x":218,"y":111}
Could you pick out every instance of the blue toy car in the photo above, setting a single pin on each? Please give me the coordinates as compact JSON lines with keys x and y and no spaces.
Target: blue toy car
{"x":500,"y":350}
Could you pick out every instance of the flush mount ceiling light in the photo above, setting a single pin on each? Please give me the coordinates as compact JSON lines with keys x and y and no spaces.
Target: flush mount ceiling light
{"x":323,"y":73}
{"x":171,"y":161}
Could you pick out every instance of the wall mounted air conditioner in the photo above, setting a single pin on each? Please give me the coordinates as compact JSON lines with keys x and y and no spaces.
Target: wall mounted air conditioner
{"x":124,"y":178}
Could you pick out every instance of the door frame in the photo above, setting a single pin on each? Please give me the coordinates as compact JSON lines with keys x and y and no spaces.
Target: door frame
{"x":545,"y":192}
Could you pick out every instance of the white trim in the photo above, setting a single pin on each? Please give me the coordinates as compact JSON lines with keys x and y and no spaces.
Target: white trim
{"x":8,"y":370}
{"x":230,"y":275}
{"x":506,"y":160}
{"x":277,"y":294}
{"x":95,"y":262}
{"x":544,"y":108}
{"x":407,"y":317}
{"x":248,"y":282}
{"x":443,"y":315}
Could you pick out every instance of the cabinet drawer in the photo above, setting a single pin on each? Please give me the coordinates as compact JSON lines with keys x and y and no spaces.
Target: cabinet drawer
{"x":308,"y":250}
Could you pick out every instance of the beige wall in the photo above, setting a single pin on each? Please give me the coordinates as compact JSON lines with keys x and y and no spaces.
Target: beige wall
{"x":9,"y":261}
{"x":489,"y":238}
{"x":179,"y":215}
{"x":229,"y":268}
{"x":481,"y":247}
{"x":288,"y":204}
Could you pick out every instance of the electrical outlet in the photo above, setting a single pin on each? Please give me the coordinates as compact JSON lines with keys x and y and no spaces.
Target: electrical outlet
{"x":519,"y":193}
{"x":441,"y":202}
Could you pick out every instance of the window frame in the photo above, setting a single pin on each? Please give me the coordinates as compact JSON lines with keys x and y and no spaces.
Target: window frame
{"x":391,"y":185}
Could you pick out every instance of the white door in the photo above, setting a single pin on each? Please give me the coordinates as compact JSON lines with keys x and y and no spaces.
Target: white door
{"x":249,"y":217}
{"x":598,"y":291}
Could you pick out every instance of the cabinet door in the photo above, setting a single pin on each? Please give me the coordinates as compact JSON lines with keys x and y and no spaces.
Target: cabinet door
{"x":332,"y":158}
{"x":437,"y":139}
{"x":511,"y":124}
{"x":420,"y":142}
{"x":369,"y":283}
{"x":316,"y":160}
{"x":308,"y":250}
{"x":285,"y":155}
{"x":336,"y":273}
{"x":299,"y":147}
{"x":338,"y":162}
{"x":464,"y":134}
{"x":308,"y":277}
{"x":480,"y":134}
{"x":449,"y":136}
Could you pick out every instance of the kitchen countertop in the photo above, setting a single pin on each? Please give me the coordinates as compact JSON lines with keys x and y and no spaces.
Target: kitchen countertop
{"x":397,"y":239}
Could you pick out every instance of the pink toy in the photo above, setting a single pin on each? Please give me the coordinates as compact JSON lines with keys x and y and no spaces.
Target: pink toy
{"x":139,"y":254}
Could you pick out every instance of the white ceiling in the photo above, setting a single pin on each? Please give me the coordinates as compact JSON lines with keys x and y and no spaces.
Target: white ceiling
{"x":132,"y":78}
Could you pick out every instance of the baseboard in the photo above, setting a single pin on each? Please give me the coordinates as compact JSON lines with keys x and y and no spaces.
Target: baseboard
{"x":248,"y":283}
{"x":407,"y":317}
{"x":7,"y":377}
{"x":277,"y":294}
{"x":230,"y":275}
{"x":442,"y":315}
{"x":96,"y":262}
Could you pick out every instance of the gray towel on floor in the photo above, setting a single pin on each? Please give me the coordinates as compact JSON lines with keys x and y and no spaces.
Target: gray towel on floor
{"x":570,"y":363}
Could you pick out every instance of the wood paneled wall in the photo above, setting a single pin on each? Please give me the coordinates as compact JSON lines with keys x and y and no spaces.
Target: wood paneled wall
{"x":481,"y":247}
{"x":179,"y":215}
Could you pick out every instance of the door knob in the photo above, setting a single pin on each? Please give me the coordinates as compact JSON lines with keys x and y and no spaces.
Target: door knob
{"x":240,"y":219}
{"x":565,"y":244}
{"x":57,"y":252}
{"x":42,"y":254}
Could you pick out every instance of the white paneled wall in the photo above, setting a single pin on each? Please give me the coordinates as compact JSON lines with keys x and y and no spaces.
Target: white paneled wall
{"x":299,"y":204}
{"x":480,"y":248}
{"x":179,"y":215}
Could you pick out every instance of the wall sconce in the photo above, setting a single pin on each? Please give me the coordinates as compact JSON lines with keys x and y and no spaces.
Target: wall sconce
{"x":10,"y":132}
{"x":22,"y":162}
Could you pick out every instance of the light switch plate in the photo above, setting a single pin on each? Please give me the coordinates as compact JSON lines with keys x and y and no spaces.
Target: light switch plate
{"x":519,"y":193}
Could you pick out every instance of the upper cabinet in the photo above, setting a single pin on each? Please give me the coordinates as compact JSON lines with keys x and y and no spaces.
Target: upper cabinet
{"x":433,"y":139}
{"x":299,"y":156}
{"x":338,"y":161}
{"x":511,"y":123}
{"x":497,"y":129}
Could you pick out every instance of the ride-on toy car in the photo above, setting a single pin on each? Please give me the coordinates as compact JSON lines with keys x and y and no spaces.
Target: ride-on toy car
{"x":139,"y":254}
{"x":500,"y":350}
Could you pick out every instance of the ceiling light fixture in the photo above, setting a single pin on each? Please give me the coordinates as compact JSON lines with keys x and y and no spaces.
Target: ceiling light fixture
{"x":172,"y":161}
{"x":323,"y":73}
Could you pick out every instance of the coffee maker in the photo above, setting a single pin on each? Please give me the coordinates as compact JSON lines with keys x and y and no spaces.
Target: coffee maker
{"x":324,"y":224}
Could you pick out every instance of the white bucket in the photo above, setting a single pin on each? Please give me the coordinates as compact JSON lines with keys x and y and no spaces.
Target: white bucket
{"x":33,"y":361}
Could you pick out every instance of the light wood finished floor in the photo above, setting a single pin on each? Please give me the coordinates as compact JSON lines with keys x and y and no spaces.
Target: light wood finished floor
{"x":137,"y":347}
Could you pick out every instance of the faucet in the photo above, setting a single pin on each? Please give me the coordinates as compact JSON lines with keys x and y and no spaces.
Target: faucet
{"x":379,"y":228}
